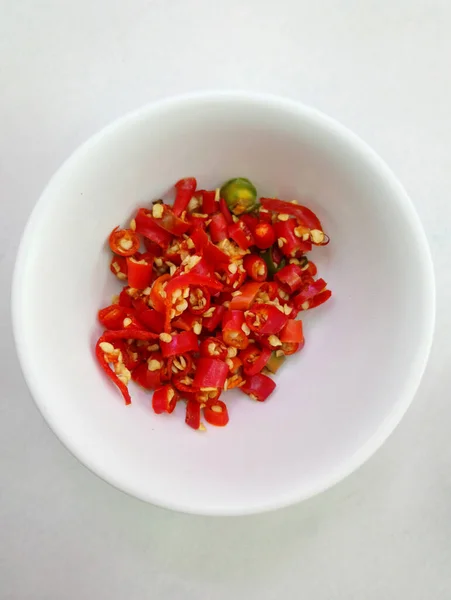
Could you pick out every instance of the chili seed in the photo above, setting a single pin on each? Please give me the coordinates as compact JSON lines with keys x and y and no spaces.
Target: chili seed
{"x":153,"y":365}
{"x":157,"y":211}
{"x":166,"y":337}
{"x":274,"y":340}
{"x":106,"y":347}
{"x":317,"y":236}
{"x":125,"y":244}
{"x":246,"y":329}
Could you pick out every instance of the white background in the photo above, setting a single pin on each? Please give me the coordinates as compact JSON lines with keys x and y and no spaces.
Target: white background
{"x":382,"y":67}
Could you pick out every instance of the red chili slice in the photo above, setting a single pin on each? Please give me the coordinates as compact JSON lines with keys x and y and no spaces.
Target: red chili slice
{"x":218,"y":228}
{"x":104,"y":363}
{"x":210,"y":373}
{"x":265,"y":319}
{"x":185,"y":189}
{"x":258,"y":387}
{"x":247,"y":296}
{"x":290,"y":277}
{"x":305,"y":216}
{"x":232,"y":329}
{"x":199,"y":300}
{"x":146,"y":226}
{"x":209,"y":203}
{"x":180,"y":364}
{"x":211,"y":322}
{"x":158,"y":293}
{"x":112,"y":317}
{"x":124,"y":242}
{"x":164,"y":399}
{"x":118,"y":267}
{"x":215,"y":413}
{"x":186,"y":341}
{"x":254,"y":359}
{"x":212,"y":347}
{"x":139,"y":272}
{"x":308,"y":293}
{"x":241,"y":234}
{"x":193,"y":414}
{"x":255,"y":267}
{"x":264,"y":236}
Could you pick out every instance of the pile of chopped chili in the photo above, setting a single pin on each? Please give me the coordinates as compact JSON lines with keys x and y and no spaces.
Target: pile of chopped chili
{"x":212,"y":289}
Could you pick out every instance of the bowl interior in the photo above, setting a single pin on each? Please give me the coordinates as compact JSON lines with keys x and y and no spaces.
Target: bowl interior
{"x":335,"y":401}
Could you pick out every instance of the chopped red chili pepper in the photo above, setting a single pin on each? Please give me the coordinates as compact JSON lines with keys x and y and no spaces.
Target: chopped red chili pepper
{"x":189,"y":279}
{"x":247,"y":296}
{"x":212,"y":321}
{"x":104,"y":358}
{"x":316,"y":300}
{"x":112,"y":317}
{"x":158,"y":293}
{"x":225,"y":211}
{"x":309,"y":292}
{"x":124,"y":242}
{"x":292,"y":337}
{"x":186,"y":321}
{"x":210,"y":373}
{"x":250,"y":221}
{"x":213,"y":347}
{"x":287,"y":240}
{"x":241,"y":234}
{"x":180,"y":364}
{"x":264,"y":236}
{"x":118,"y":267}
{"x":290,"y":277}
{"x":146,"y":226}
{"x":170,"y":222}
{"x":311,"y":269}
{"x":149,"y":380}
{"x":254,"y":359}
{"x":306,"y":217}
{"x":215,"y":413}
{"x":139,"y":272}
{"x":265,"y":319}
{"x":193,"y":414}
{"x":179,"y":343}
{"x":258,"y":386}
{"x":232,"y":329}
{"x":164,"y":399}
{"x":209,"y":203}
{"x":199,"y":300}
{"x":125,"y":299}
{"x":218,"y":228}
{"x":255,"y":267}
{"x":149,"y":317}
{"x":185,"y":189}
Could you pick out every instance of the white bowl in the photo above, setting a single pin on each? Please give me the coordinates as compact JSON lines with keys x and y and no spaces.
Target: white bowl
{"x":336,"y":401}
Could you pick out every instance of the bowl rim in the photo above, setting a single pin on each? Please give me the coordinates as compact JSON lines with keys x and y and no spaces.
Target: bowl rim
{"x":384,"y":429}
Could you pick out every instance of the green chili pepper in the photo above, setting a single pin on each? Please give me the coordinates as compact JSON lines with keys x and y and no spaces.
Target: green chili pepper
{"x":272,"y":266}
{"x":240,"y":195}
{"x":275,"y":362}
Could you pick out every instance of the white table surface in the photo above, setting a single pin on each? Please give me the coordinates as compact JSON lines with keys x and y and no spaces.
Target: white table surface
{"x":382,"y":68}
